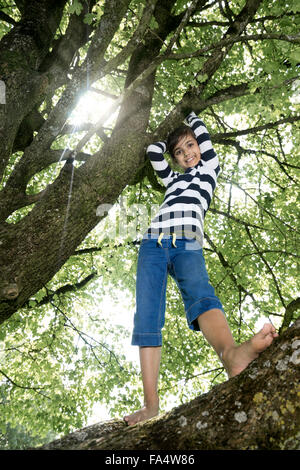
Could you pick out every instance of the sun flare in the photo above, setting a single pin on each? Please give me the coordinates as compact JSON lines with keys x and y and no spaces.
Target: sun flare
{"x":90,"y":108}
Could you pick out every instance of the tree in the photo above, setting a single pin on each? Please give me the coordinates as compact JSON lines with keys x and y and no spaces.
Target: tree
{"x":257,"y":410}
{"x":236,"y":65}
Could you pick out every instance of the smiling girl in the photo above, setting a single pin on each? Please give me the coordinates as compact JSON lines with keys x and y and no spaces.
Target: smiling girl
{"x":173,"y":246}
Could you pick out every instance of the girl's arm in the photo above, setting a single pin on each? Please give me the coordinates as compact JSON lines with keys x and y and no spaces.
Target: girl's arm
{"x":208,"y":155}
{"x":160,"y":165}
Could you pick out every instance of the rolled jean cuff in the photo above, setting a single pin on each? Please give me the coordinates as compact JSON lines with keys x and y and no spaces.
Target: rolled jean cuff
{"x":199,"y":307}
{"x":146,"y":339}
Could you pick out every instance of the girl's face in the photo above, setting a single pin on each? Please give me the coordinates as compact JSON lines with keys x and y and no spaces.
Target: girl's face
{"x":187,"y":152}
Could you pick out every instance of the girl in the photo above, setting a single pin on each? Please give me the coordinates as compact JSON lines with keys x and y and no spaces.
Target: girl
{"x":173,"y":245}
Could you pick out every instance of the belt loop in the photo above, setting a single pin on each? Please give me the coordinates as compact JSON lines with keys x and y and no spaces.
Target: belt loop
{"x":160,"y":238}
{"x":174,"y":239}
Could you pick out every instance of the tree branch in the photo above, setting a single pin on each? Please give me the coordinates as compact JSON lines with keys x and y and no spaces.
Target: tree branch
{"x":57,"y":63}
{"x":224,"y":42}
{"x":201,"y":24}
{"x":28,"y":165}
{"x":272,"y":216}
{"x":291,"y":308}
{"x":208,"y":69}
{"x":136,"y":83}
{"x":33,"y":157}
{"x":27,"y":43}
{"x":256,"y":129}
{"x":230,"y":271}
{"x":258,"y":409}
{"x":15,"y":384}
{"x":260,"y":254}
{"x":85,"y":338}
{"x":67,"y":288}
{"x":235,"y":219}
{"x":12,"y":200}
{"x":6,"y":18}
{"x":21,"y":4}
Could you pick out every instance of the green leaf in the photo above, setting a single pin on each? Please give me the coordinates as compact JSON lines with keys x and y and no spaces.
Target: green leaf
{"x":269,"y":67}
{"x":88,"y":18}
{"x":202,"y":78}
{"x":76,"y":7}
{"x":295,"y":55}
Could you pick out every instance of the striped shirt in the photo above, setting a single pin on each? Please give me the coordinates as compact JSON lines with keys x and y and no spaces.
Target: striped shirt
{"x":188,"y":195}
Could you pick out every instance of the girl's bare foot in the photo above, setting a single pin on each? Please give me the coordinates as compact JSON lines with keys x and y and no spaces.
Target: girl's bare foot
{"x":237,"y":358}
{"x":144,"y":413}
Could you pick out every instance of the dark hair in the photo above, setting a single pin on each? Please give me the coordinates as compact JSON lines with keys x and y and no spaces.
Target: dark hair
{"x":176,"y":135}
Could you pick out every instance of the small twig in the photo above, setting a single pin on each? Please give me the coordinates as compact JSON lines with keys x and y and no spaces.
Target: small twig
{"x":15,"y":384}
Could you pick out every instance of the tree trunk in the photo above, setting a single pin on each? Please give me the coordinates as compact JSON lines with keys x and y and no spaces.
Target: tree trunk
{"x":33,"y":250}
{"x":256,"y":410}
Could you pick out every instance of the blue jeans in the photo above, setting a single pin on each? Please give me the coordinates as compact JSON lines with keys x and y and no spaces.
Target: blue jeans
{"x":185,"y":263}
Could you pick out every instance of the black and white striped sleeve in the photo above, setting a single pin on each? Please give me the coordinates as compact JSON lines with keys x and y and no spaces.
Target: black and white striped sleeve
{"x":160,"y":165}
{"x":208,"y":155}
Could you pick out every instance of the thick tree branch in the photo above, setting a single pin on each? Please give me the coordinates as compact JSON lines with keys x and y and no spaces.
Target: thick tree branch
{"x":58,"y":61}
{"x":12,"y":199}
{"x":21,"y":5}
{"x":132,"y":44}
{"x":30,"y":124}
{"x":109,"y":23}
{"x":22,"y":50}
{"x":30,"y":164}
{"x":32,"y":160}
{"x":125,"y":96}
{"x":258,"y":409}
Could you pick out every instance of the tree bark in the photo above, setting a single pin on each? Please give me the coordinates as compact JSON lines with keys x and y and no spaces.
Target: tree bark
{"x":22,"y":51}
{"x":256,"y":410}
{"x":49,"y":235}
